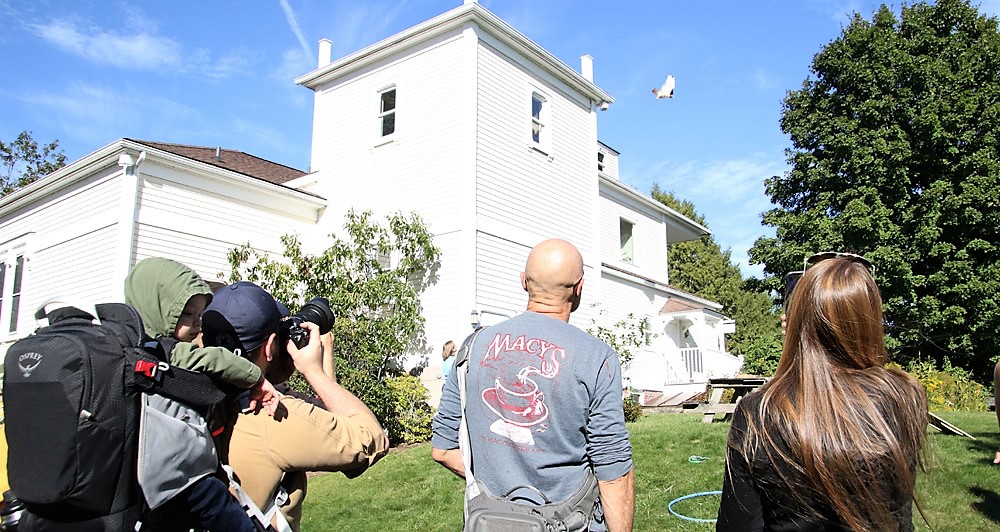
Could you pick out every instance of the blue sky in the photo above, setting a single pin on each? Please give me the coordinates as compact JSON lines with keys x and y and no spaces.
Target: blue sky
{"x":220,"y":73}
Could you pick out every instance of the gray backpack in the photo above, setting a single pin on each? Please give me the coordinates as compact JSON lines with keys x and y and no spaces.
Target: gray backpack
{"x":486,"y":512}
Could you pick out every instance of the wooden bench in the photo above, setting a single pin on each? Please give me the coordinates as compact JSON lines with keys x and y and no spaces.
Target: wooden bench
{"x":740,"y":387}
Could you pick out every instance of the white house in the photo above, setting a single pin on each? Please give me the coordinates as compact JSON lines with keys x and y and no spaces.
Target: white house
{"x":462,"y":119}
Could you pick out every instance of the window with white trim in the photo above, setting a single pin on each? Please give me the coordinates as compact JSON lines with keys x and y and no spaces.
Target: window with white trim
{"x":539,"y":121}
{"x":387,"y":112}
{"x":13,"y":263}
{"x":625,"y":229}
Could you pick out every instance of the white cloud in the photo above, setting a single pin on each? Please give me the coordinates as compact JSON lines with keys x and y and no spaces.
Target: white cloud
{"x":140,"y":51}
{"x":728,"y":193}
{"x":91,"y":113}
{"x":143,"y":49}
{"x":293,"y":24}
{"x":764,"y":80}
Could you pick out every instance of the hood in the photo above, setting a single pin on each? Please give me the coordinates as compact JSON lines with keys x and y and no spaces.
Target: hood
{"x":159,"y":288}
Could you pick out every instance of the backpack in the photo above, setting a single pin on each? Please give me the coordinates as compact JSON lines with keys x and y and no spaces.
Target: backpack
{"x":487,"y":512}
{"x":72,"y":398}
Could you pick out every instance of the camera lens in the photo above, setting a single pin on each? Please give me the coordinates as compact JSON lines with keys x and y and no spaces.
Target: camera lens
{"x":317,"y":311}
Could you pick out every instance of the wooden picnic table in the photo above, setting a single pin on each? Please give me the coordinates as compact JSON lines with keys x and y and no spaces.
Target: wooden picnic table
{"x":717,"y":387}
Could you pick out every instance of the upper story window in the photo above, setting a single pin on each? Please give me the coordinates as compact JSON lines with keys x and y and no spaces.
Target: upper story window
{"x":600,"y":161}
{"x":539,"y":121}
{"x":625,"y":228}
{"x":387,"y":112}
{"x":13,"y":263}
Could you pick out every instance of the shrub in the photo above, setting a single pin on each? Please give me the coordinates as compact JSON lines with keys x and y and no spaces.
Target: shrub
{"x":633,"y":410}
{"x":410,"y":421}
{"x":949,"y":388}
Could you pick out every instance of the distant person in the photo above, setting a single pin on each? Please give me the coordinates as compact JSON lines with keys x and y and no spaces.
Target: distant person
{"x":447,"y":358}
{"x":832,"y":442}
{"x":268,"y":453}
{"x":544,"y":403}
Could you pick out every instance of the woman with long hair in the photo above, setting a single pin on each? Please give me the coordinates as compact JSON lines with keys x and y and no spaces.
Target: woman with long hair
{"x":832,"y":442}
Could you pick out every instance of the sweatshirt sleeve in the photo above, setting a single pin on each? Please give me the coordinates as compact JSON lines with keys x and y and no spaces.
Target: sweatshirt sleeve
{"x":216,"y":362}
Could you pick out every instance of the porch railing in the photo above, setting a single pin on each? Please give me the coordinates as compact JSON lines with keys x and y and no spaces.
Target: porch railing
{"x":694,"y":361}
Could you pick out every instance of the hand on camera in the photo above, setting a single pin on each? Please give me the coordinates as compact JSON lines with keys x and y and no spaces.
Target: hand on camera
{"x":309,"y":357}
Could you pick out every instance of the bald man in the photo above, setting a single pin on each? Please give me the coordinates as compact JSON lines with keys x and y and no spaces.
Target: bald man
{"x":544,"y":401}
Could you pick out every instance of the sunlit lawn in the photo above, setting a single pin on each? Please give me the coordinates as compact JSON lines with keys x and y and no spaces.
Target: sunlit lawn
{"x":409,"y":491}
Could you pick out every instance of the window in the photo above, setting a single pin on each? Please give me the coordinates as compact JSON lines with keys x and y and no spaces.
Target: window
{"x":625,"y":236}
{"x":3,"y":278}
{"x":13,"y":263}
{"x":387,"y":112}
{"x":15,"y":294}
{"x":539,"y":119}
{"x":600,"y":161}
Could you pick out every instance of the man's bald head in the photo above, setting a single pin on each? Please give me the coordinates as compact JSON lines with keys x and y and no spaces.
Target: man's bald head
{"x":554,"y":269}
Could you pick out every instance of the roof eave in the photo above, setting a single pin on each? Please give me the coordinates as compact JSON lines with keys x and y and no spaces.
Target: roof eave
{"x":682,"y":220}
{"x":471,"y":12}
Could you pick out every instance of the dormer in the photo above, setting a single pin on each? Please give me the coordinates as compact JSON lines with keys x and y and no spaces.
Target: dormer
{"x":607,"y":161}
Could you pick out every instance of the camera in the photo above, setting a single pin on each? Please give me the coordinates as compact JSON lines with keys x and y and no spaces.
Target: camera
{"x":317,"y":311}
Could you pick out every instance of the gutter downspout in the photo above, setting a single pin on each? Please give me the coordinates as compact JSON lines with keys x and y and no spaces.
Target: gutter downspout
{"x":128,"y":219}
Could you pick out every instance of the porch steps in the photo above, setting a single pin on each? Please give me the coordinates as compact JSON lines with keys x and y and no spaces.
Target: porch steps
{"x":655,"y":399}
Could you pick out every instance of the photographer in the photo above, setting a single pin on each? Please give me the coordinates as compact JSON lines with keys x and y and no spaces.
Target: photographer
{"x":271,"y":453}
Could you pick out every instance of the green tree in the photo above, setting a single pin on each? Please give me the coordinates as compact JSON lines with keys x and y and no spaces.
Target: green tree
{"x":706,"y":270}
{"x":23,"y":163}
{"x":373,"y":278}
{"x":895,"y":156}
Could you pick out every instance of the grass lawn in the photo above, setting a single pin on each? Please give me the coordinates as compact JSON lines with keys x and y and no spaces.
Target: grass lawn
{"x":407,"y":490}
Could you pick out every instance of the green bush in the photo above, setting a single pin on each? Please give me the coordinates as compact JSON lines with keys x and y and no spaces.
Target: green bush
{"x":762,"y":355}
{"x":633,"y":410}
{"x":410,"y":421}
{"x":949,"y":388}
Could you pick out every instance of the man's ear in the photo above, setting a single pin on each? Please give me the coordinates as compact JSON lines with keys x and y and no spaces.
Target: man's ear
{"x":524,"y":281}
{"x":578,"y":288}
{"x":271,"y":348}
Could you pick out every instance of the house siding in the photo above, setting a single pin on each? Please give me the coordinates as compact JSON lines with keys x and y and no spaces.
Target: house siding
{"x":183,"y":223}
{"x":70,"y":239}
{"x":513,"y":177}
{"x":421,"y":169}
{"x":649,"y":236}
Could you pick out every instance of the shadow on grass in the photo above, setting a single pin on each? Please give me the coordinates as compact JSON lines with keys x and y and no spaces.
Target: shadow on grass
{"x":989,"y":505}
{"x":985,"y":445}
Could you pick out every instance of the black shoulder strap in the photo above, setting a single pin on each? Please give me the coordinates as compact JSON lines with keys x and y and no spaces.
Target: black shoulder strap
{"x":155,"y":374}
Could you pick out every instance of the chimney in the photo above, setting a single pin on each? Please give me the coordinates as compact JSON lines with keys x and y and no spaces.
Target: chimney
{"x":325,"y":48}
{"x":587,"y":67}
{"x":218,"y":153}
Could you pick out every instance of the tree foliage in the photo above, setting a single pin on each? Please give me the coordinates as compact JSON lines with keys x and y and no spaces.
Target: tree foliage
{"x":373,"y":278}
{"x":704,"y":269}
{"x":894,"y":155}
{"x":24,"y":163}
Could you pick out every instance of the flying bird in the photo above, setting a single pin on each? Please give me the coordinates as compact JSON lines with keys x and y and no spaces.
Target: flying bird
{"x":667,"y":90}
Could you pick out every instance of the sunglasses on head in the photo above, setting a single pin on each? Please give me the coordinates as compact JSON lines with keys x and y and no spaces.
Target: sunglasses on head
{"x":812,"y":260}
{"x":792,"y":278}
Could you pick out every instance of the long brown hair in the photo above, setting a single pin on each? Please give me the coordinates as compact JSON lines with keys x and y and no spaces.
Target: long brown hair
{"x":834,"y":418}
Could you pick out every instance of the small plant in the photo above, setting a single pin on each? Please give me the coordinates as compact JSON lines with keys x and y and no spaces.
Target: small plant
{"x":625,"y":336}
{"x":949,"y":388}
{"x":633,"y":410}
{"x":410,"y":421}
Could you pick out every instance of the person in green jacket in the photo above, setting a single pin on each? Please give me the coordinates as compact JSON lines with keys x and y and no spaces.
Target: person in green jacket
{"x":177,"y":458}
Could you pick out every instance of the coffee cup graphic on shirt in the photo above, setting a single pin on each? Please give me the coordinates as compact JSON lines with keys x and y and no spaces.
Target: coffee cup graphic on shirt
{"x":520,"y":403}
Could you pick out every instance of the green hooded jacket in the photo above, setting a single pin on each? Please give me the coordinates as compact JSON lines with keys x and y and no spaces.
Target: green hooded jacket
{"x":159,"y":289}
